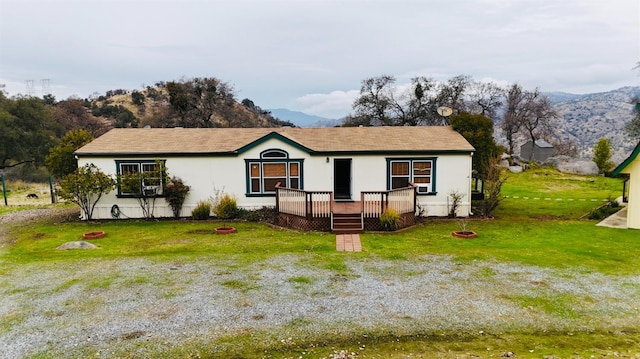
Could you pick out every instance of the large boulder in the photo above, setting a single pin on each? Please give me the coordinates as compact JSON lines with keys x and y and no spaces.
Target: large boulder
{"x":571,"y":165}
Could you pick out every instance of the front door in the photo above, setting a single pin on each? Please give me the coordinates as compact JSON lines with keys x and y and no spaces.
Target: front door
{"x":342,"y":179}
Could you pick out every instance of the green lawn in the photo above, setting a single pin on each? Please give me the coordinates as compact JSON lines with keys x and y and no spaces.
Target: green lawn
{"x":547,"y":193}
{"x":550,"y":243}
{"x":544,"y":232}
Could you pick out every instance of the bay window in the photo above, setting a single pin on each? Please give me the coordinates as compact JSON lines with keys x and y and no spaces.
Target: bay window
{"x":273,"y":167}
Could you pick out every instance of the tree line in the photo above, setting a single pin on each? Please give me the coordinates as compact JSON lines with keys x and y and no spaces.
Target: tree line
{"x":39,"y":136}
{"x":35,"y":129}
{"x":517,"y":114}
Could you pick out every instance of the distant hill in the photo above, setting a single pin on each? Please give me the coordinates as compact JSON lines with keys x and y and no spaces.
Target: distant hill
{"x":151,"y":107}
{"x":585,"y":118}
{"x":589,"y":117}
{"x":302,"y":119}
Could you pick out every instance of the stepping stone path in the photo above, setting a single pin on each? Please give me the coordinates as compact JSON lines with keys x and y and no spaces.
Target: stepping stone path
{"x":348,"y":243}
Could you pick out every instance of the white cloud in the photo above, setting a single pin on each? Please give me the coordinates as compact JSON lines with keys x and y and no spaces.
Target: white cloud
{"x":275,"y":52}
{"x":335,"y":104}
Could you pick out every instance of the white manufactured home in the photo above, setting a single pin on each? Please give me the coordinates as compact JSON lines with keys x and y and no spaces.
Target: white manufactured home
{"x":304,"y":172}
{"x":630,"y":169}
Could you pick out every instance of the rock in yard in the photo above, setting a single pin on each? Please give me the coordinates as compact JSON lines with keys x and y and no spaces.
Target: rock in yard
{"x":576,"y":166}
{"x":78,"y":245}
{"x":515,"y":169}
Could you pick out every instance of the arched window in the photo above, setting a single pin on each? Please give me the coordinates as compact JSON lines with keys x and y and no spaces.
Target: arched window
{"x":274,"y":154}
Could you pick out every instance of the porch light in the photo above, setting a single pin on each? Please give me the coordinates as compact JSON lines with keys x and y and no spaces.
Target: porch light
{"x":327,"y":159}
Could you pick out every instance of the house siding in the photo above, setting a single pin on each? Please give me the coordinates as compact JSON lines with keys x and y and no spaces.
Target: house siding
{"x":633,"y":206}
{"x":208,"y":174}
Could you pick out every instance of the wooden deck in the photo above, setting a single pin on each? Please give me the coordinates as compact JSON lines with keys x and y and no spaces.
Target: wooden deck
{"x":317,"y":211}
{"x":350,"y":207}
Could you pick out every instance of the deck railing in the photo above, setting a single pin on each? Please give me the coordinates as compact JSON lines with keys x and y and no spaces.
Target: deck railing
{"x":402,"y":200}
{"x":319,"y":204}
{"x":309,"y":204}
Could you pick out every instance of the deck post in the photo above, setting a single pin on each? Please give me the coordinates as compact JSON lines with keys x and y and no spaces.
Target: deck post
{"x":415,"y":200}
{"x":278,"y":197}
{"x":384,"y":201}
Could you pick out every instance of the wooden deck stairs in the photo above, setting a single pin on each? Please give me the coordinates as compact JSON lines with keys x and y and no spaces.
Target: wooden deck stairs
{"x":347,"y":218}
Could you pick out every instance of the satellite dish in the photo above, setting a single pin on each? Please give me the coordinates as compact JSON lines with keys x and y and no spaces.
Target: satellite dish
{"x":444,"y":111}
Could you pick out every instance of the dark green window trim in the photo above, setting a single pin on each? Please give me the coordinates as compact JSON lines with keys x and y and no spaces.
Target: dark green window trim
{"x":271,"y":156}
{"x":139,"y":163}
{"x":433,"y":191}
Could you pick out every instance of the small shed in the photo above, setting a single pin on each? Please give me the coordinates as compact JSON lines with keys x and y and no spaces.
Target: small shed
{"x":630,"y":168}
{"x":539,"y":151}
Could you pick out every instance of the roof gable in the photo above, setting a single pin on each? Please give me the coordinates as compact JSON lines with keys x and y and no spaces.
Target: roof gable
{"x":273,"y":135}
{"x":625,"y":163}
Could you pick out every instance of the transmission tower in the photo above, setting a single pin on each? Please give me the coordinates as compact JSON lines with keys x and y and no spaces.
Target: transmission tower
{"x":30,"y":89}
{"x":46,"y":87}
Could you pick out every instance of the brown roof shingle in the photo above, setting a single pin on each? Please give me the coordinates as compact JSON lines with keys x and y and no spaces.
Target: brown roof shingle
{"x":149,"y":141}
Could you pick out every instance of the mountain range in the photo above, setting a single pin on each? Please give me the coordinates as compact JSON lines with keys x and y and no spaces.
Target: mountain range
{"x":302,"y":119}
{"x":587,"y":118}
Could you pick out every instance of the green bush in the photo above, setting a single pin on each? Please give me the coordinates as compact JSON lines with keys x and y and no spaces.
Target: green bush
{"x":226,"y":207}
{"x":390,"y":220}
{"x":202,"y":210}
{"x":265,"y":214}
{"x":605,"y":211}
{"x":175,"y":192}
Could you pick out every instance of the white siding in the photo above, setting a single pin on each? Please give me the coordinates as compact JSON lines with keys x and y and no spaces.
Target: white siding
{"x":633,"y":207}
{"x":206,"y":175}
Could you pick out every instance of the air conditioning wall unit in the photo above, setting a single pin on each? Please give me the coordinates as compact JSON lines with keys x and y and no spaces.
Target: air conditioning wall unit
{"x":151,"y":190}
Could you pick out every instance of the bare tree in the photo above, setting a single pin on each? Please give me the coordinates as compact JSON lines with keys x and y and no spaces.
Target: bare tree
{"x":73,"y":114}
{"x":513,"y":114}
{"x":539,"y":116}
{"x":485,"y":98}
{"x":375,"y":104}
{"x":452,"y":93}
{"x":423,"y":105}
{"x":381,"y":103}
{"x":568,"y":147}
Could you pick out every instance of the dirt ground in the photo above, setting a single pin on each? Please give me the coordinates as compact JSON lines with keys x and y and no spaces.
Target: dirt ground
{"x":18,"y":194}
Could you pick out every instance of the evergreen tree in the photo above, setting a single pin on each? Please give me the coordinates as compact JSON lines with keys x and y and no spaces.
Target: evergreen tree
{"x":478,"y":130}
{"x":602,"y":155}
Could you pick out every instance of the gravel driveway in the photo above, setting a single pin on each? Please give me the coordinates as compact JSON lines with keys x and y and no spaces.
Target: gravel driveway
{"x":111,"y":307}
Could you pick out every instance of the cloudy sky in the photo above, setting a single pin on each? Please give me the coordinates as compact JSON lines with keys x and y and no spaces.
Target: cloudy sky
{"x":311,"y":55}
